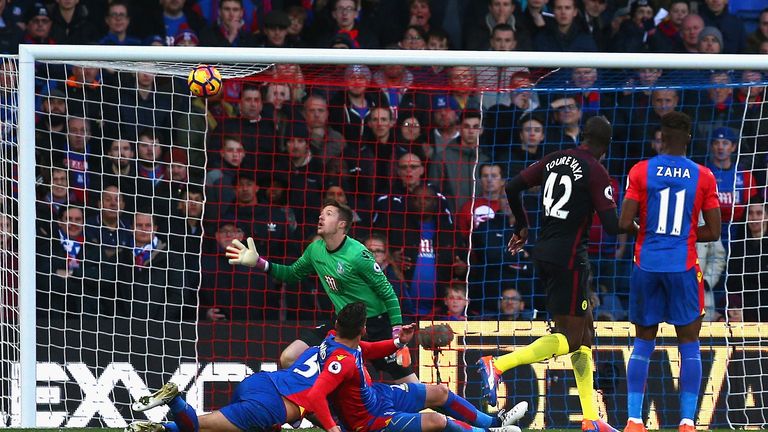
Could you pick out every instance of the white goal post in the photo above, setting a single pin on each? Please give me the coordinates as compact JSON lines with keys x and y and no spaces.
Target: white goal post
{"x":29,"y":54}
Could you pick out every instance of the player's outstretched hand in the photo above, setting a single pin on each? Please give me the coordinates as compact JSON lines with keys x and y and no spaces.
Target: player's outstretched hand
{"x":406,"y":333}
{"x":517,"y":241}
{"x":238,"y":253}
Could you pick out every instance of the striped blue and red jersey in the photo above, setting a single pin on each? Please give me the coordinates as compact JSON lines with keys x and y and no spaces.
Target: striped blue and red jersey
{"x":295,"y":382}
{"x":671,"y":191}
{"x":345,"y":382}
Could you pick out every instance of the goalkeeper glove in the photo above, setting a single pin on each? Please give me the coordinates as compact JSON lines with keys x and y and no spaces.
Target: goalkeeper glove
{"x":238,"y":253}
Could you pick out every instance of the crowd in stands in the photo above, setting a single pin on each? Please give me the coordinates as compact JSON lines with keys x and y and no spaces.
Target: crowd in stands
{"x":142,"y":187}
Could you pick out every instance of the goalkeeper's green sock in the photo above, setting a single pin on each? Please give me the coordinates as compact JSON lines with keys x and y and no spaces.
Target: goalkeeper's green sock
{"x":541,"y":349}
{"x":582,"y":370}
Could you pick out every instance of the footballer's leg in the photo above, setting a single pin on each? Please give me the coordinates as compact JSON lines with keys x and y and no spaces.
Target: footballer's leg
{"x":440,"y":398}
{"x":185,"y":417}
{"x":435,"y":422}
{"x":216,"y":422}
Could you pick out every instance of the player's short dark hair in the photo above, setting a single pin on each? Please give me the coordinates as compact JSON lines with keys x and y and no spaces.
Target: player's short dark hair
{"x":351,"y":320}
{"x":345,"y":213}
{"x":676,"y":128}
{"x":598,"y":131}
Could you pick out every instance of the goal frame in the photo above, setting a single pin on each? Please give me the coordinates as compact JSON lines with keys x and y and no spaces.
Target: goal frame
{"x":29,"y":54}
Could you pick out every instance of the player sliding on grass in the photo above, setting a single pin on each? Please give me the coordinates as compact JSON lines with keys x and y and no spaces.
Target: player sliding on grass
{"x":363,"y":406}
{"x":668,"y":192}
{"x":348,"y":273}
{"x":266,"y":400}
{"x":575,"y":186}
{"x":262,"y":401}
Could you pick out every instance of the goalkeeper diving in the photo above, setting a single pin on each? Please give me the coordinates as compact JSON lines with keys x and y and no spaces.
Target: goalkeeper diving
{"x":349,"y":273}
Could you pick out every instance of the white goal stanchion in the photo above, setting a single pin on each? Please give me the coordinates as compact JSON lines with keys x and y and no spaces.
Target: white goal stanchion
{"x":19,"y":339}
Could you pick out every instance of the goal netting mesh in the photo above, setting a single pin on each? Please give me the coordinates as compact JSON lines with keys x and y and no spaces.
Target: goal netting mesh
{"x":140,"y":186}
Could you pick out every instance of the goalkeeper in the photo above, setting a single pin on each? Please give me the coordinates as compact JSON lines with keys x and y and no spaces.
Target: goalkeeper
{"x":349,"y":273}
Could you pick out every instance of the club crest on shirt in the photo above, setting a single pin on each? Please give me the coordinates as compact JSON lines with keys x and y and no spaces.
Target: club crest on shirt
{"x":339,"y":267}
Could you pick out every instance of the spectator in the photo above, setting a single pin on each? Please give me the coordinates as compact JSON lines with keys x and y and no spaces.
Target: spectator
{"x":186,"y":38}
{"x":566,"y":128}
{"x":210,"y":10}
{"x":151,"y":278}
{"x":592,"y":101}
{"x":692,"y":25}
{"x":38,"y":29}
{"x":385,"y":146}
{"x":298,"y":16}
{"x":494,"y":78}
{"x":118,"y":19}
{"x":734,"y":309}
{"x":748,"y":264}
{"x":109,"y":228}
{"x":325,"y":142}
{"x":454,"y":303}
{"x":230,"y":29}
{"x":84,"y":91}
{"x":668,"y":35}
{"x":457,"y":164}
{"x":717,"y":108}
{"x":420,"y":14}
{"x":735,"y":187}
{"x":567,"y":35}
{"x":345,"y":14}
{"x":395,"y":82}
{"x":501,"y":121}
{"x":275,"y":31}
{"x":119,"y":168}
{"x":172,"y":17}
{"x":712,"y":260}
{"x":433,"y":76}
{"x":140,"y":106}
{"x":535,"y":18}
{"x":80,"y":155}
{"x":478,"y":34}
{"x":710,"y":41}
{"x":597,"y":20}
{"x":51,"y":124}
{"x":635,"y":34}
{"x":71,"y":24}
{"x":9,"y":256}
{"x":377,"y":244}
{"x":531,"y":147}
{"x":760,"y":35}
{"x":512,"y":307}
{"x":445,"y":123}
{"x":489,"y":203}
{"x":265,"y":222}
{"x":304,"y":173}
{"x":10,"y":33}
{"x":349,"y":108}
{"x":62,"y":263}
{"x":187,"y":232}
{"x":55,"y":199}
{"x":277,"y":196}
{"x":414,"y":38}
{"x":425,"y":233}
{"x":715,"y":13}
{"x":220,"y":181}
{"x":256,"y":133}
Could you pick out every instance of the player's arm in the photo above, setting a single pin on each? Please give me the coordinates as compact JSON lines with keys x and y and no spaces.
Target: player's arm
{"x":372,"y":275}
{"x":513,"y":189}
{"x":238,"y":253}
{"x":711,"y":229}
{"x":336,"y":370}
{"x":384,"y":348}
{"x":627,"y":222}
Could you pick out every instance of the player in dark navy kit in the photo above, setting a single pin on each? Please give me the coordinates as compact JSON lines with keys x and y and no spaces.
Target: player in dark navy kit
{"x":263,"y":401}
{"x":575,"y":185}
{"x":668,"y":193}
{"x":363,"y":406}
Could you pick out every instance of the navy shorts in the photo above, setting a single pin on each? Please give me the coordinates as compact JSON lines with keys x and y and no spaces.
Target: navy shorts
{"x":675,"y":298}
{"x":256,"y":405}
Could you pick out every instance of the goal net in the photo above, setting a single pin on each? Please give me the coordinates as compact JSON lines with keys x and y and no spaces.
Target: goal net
{"x":140,"y":186}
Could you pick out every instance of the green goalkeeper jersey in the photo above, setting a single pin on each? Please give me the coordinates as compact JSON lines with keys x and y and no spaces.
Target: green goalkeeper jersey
{"x":348,"y":274}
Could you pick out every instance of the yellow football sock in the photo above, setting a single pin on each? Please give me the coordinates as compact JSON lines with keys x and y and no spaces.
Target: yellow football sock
{"x":541,"y":349}
{"x":582,"y":369}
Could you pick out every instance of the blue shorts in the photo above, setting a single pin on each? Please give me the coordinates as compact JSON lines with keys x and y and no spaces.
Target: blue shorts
{"x":256,"y":405}
{"x":675,"y":298}
{"x":398,"y":407}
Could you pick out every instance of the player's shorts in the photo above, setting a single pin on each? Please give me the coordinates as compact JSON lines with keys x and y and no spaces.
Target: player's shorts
{"x":673,"y":297}
{"x":256,"y":405}
{"x":377,"y":328}
{"x":398,"y":407}
{"x":566,"y":288}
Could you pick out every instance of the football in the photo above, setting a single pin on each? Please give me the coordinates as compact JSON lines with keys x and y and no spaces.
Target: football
{"x":204,"y":81}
